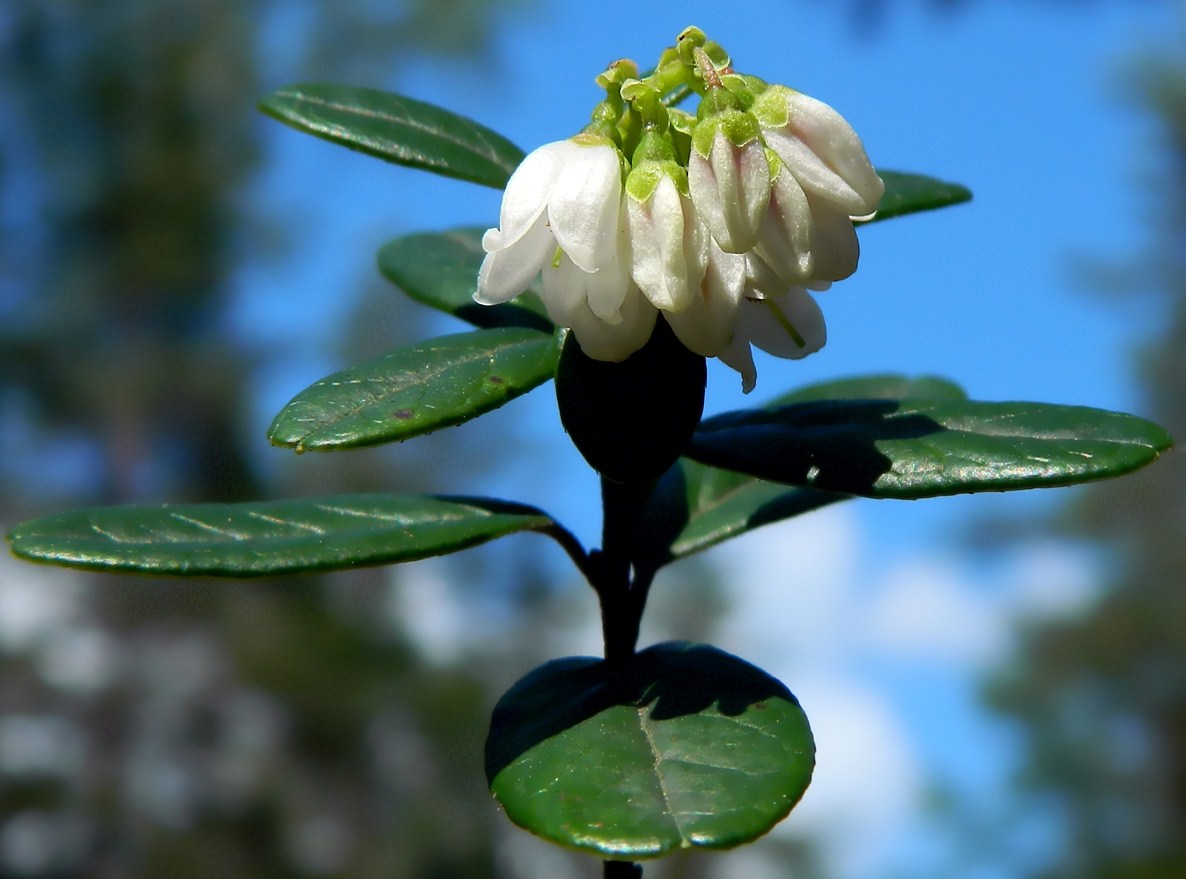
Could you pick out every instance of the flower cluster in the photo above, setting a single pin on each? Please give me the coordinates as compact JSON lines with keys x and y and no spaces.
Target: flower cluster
{"x":722,"y":221}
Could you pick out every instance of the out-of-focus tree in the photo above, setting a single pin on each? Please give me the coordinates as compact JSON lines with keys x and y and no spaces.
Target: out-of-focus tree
{"x":191,"y":729}
{"x":1102,"y":698}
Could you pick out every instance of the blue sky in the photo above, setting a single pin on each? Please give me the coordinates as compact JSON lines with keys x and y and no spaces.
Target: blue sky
{"x":1024,"y":103}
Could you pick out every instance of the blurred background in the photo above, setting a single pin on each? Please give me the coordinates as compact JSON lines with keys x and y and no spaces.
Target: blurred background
{"x":997,"y":683}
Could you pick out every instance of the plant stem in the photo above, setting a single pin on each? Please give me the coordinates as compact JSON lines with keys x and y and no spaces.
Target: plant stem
{"x":622,"y":600}
{"x":622,"y":870}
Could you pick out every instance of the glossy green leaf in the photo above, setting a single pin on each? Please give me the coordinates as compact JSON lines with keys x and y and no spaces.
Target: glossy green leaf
{"x":881,"y":386}
{"x":687,"y":746}
{"x":270,"y":537}
{"x":914,"y":449}
{"x":441,"y":271}
{"x":436,"y":384}
{"x":695,"y":506}
{"x":397,"y":129}
{"x":911,"y":193}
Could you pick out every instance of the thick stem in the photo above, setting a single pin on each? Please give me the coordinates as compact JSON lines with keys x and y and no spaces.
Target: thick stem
{"x":621,"y":603}
{"x":622,"y":870}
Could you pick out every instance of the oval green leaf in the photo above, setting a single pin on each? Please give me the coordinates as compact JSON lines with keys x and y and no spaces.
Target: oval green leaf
{"x":881,"y":386}
{"x":397,"y":129}
{"x":685,"y":746}
{"x":441,"y":271}
{"x":912,"y":193}
{"x":914,"y":449}
{"x":270,"y":537}
{"x":436,"y":384}
{"x":694,"y":506}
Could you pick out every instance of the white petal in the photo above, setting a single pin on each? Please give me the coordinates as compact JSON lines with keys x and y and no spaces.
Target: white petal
{"x":705,"y":196}
{"x":584,"y":205}
{"x":834,"y":247}
{"x":739,"y":356}
{"x":761,"y":281}
{"x":669,"y":246}
{"x":528,"y":191}
{"x":829,"y":136}
{"x":706,"y":325}
{"x":790,"y":325}
{"x":603,"y":341}
{"x":508,"y":271}
{"x":602,"y":292}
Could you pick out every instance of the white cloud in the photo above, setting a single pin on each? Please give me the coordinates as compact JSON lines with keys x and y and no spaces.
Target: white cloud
{"x":1051,"y":581}
{"x":924,"y":608}
{"x":35,"y":602}
{"x":867,"y":783}
{"x":797,"y":611}
{"x":789,"y":588}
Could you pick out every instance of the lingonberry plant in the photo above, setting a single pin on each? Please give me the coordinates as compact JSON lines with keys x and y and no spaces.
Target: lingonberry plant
{"x":624,"y":257}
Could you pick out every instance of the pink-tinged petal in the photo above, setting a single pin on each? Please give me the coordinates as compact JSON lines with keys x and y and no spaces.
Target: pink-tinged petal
{"x":585,"y":203}
{"x":731,"y":191}
{"x":826,"y":156}
{"x":830,"y":137}
{"x":706,"y":197}
{"x":527,"y":192}
{"x":784,"y":239}
{"x":812,"y":173}
{"x":790,"y":325}
{"x":508,"y":271}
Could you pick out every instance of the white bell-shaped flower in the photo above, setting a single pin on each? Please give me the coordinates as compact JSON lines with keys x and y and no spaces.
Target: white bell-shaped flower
{"x":823,"y":180}
{"x":821,"y":149}
{"x":783,"y":321}
{"x":563,"y":214}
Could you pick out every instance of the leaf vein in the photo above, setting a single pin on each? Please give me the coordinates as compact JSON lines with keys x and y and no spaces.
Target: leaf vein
{"x":291,"y":523}
{"x":206,"y":526}
{"x":658,"y":757}
{"x":397,"y":120}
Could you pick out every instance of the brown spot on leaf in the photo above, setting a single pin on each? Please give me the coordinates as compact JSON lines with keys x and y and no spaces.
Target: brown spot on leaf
{"x":403,"y":414}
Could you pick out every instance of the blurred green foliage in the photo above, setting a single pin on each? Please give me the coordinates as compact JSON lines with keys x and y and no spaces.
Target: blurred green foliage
{"x":1101,"y":699}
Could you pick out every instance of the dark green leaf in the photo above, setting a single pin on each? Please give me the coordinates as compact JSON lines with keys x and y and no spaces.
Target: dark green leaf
{"x":911,"y":193}
{"x":887,"y":386}
{"x":435,"y":384}
{"x":910,"y":449}
{"x":441,"y":271}
{"x":694,"y":507}
{"x":397,"y":129}
{"x":687,"y":746}
{"x":270,"y":537}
